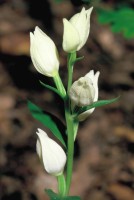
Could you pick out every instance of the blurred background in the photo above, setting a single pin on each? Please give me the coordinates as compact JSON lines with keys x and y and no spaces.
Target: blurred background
{"x":104,"y":152}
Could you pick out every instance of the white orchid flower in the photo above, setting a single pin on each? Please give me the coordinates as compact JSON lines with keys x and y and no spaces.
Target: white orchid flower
{"x":51,"y":154}
{"x":44,"y":53}
{"x":94,"y":78}
{"x":76,"y":30}
{"x":82,"y":92}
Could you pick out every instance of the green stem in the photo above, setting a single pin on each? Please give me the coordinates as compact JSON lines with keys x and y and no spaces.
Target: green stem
{"x":59,"y":85}
{"x":61,"y":185}
{"x":70,"y":153}
{"x":71,"y":60}
{"x":69,"y":123}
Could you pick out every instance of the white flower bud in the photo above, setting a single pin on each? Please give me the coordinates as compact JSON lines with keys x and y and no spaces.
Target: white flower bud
{"x":94,"y":78}
{"x":82,"y":92}
{"x":51,"y":154}
{"x":44,"y":54}
{"x":76,"y":31}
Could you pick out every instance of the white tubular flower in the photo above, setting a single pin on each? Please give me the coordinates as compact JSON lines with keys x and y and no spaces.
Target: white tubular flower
{"x":82,"y":92}
{"x":76,"y":30}
{"x":94,"y":78}
{"x":44,"y":54}
{"x":51,"y":154}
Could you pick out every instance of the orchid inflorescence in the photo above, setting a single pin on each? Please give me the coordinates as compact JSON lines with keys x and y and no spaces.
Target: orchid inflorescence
{"x":80,"y":98}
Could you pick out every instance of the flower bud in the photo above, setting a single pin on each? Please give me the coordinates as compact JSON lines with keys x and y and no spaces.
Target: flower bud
{"x":76,"y":31}
{"x":82,"y":92}
{"x":51,"y":154}
{"x":44,"y":54}
{"x":94,"y":78}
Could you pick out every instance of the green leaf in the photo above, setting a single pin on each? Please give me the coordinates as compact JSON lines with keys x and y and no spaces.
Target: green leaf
{"x":120,"y":20}
{"x":53,"y":196}
{"x":77,"y":59}
{"x":50,"y":88}
{"x":46,"y":120}
{"x":72,"y":198}
{"x":97,"y":104}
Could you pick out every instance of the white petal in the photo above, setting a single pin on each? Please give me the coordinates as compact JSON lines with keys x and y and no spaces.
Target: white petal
{"x":47,"y":51}
{"x":81,"y":21}
{"x":95,"y":77}
{"x":71,"y":38}
{"x":53,"y":156}
{"x":81,"y":24}
{"x":95,"y":84}
{"x":44,"y":53}
{"x":38,"y":149}
{"x":81,"y":27}
{"x":88,"y":12}
{"x":90,"y":75}
{"x":82,"y":92}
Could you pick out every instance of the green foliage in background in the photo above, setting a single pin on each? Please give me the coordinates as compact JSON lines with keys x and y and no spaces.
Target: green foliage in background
{"x":121,"y":20}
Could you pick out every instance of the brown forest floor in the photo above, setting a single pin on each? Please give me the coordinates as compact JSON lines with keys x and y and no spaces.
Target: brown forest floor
{"x":104,"y":153}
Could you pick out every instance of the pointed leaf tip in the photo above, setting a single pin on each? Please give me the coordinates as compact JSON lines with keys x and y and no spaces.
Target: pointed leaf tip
{"x":98,"y":104}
